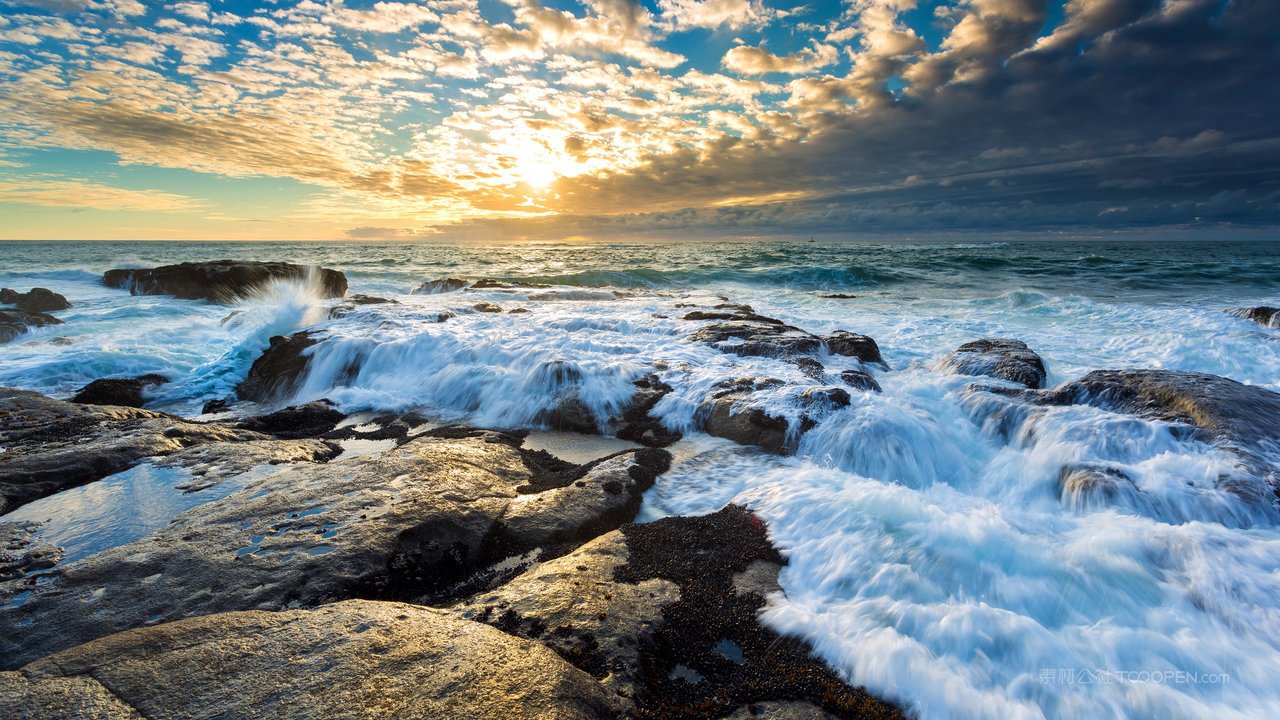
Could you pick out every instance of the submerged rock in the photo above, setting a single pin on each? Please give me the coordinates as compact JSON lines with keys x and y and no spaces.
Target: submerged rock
{"x":1084,"y":486}
{"x":51,"y":444}
{"x":222,"y":280}
{"x":1262,"y":315}
{"x":126,"y":392}
{"x":353,"y":659}
{"x":277,"y":371}
{"x":444,"y":285}
{"x":635,"y":423}
{"x":17,"y":322}
{"x":665,"y":616}
{"x":35,"y":300}
{"x":999,"y":358}
{"x":405,"y":523}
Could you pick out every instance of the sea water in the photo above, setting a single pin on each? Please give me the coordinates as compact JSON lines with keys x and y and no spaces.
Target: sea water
{"x":931,"y":557}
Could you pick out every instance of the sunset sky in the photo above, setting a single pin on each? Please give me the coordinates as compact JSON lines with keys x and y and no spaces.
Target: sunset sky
{"x":612,"y":118}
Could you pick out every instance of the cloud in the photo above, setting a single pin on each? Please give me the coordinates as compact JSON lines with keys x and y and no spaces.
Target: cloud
{"x":89,"y":195}
{"x":713,"y":14}
{"x":758,"y":61}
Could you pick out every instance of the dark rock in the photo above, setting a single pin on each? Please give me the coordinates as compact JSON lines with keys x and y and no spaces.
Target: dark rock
{"x":860,"y":379}
{"x":444,"y":285}
{"x":276,"y":373}
{"x":20,"y":554}
{"x":51,"y":445}
{"x":1083,"y":486}
{"x":843,"y":342}
{"x":487,"y":284}
{"x":832,"y":397}
{"x":35,"y":300}
{"x":751,"y":337}
{"x":729,"y":415}
{"x":359,"y":299}
{"x":517,"y":311}
{"x":215,"y":406}
{"x":410,"y":522}
{"x":221,"y":280}
{"x":1004,"y":359}
{"x":838,"y":296}
{"x":665,"y":615}
{"x":353,"y":659}
{"x":1262,"y":315}
{"x":126,"y":392}
{"x":487,"y":307}
{"x":299,"y":421}
{"x":810,"y":367}
{"x":636,"y":424}
{"x":16,"y":322}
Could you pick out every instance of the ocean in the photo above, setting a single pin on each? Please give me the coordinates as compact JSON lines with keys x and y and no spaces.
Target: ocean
{"x":930,"y":554}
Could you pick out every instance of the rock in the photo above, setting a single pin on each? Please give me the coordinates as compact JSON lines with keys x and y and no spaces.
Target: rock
{"x":486,"y":284}
{"x":51,"y":444}
{"x":126,"y":392}
{"x":758,"y":337}
{"x":1004,"y":359}
{"x":299,"y":421}
{"x":665,"y":616}
{"x":277,"y":371}
{"x":434,"y":287}
{"x":860,"y":379}
{"x":517,"y":311}
{"x":487,"y":307}
{"x":222,"y":280}
{"x":838,"y":296}
{"x":843,"y":342}
{"x":347,"y":660}
{"x":215,"y":406}
{"x":1243,"y":419}
{"x":407,"y":523}
{"x":1262,"y":315}
{"x":833,"y":397}
{"x":780,"y":711}
{"x":356,"y":301}
{"x":728,"y":414}
{"x":16,"y":322}
{"x":20,"y":555}
{"x":35,"y":300}
{"x":1082,"y":486}
{"x":635,"y":423}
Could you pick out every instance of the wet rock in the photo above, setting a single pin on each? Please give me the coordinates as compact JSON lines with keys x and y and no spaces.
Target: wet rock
{"x":20,"y":554}
{"x":354,"y":302}
{"x":353,"y":659}
{"x":443,"y":285}
{"x":1082,"y":486}
{"x":406,"y":523}
{"x":126,"y":392}
{"x":636,"y":424}
{"x":51,"y":445}
{"x":1243,"y":419}
{"x":838,"y":296}
{"x":517,"y":311}
{"x":35,"y":300}
{"x":222,"y":280}
{"x":831,"y":397}
{"x":17,"y":322}
{"x":487,"y":284}
{"x":298,"y":421}
{"x":1262,"y":315}
{"x":215,"y":406}
{"x":763,"y":338}
{"x":843,"y":342}
{"x":211,"y":463}
{"x":278,"y":370}
{"x":999,"y":358}
{"x":728,"y":414}
{"x":860,"y":379}
{"x":487,"y":307}
{"x":665,"y":615}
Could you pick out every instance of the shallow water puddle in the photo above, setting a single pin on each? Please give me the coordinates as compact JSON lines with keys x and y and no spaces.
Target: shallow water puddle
{"x":576,"y":447}
{"x":121,"y":508}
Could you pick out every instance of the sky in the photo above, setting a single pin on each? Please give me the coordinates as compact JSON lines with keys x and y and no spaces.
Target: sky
{"x":596,"y":119}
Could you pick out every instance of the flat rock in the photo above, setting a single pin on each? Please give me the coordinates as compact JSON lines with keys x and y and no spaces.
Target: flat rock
{"x":405,"y":523}
{"x":126,"y":392}
{"x":51,"y":444}
{"x":348,"y":660}
{"x":664,"y":615}
{"x":15,"y":322}
{"x":222,"y":280}
{"x":999,"y":358}
{"x":35,"y":300}
{"x":298,"y":421}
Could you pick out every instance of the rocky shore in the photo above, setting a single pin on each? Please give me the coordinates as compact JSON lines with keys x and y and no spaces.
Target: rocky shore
{"x":389,"y":566}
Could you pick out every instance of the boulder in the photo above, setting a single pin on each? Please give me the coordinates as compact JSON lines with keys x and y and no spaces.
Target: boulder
{"x":635,"y":423}
{"x":487,"y":307}
{"x":729,"y":414}
{"x":860,"y":379}
{"x":299,"y":421}
{"x":347,"y":660}
{"x":35,"y":300}
{"x":278,"y":370}
{"x":406,"y":523}
{"x":1262,"y":315}
{"x":443,"y":285}
{"x":16,"y":322}
{"x":999,"y":358}
{"x":843,"y":342}
{"x":354,"y":302}
{"x":126,"y":392}
{"x":222,"y":280}
{"x":665,"y":616}
{"x":51,"y":444}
